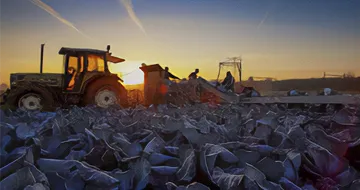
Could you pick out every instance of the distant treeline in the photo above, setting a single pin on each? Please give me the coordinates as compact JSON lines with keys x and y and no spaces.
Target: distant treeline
{"x":317,"y":84}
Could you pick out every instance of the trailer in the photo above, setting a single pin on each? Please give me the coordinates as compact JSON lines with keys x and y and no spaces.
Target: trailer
{"x":240,"y":98}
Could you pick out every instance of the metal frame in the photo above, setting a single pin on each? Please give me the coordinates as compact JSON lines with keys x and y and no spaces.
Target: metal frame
{"x":236,"y":62}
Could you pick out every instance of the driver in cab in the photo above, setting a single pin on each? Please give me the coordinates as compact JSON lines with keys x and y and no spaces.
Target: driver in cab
{"x":70,"y":78}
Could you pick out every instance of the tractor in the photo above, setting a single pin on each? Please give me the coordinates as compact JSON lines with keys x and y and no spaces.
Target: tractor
{"x":86,"y":80}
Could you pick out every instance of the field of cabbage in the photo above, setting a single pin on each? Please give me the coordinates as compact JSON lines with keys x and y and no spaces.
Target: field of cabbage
{"x":203,"y":146}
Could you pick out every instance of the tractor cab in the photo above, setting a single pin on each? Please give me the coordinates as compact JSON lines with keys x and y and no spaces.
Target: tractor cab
{"x":81,"y":65}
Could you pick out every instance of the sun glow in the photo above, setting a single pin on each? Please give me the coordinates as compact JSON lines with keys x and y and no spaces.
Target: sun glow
{"x":135,"y":77}
{"x":129,"y":72}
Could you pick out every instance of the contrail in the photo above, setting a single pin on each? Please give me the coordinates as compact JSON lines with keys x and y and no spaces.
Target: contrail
{"x":55,"y":14}
{"x":264,"y":19}
{"x":129,"y":8}
{"x":272,"y":8}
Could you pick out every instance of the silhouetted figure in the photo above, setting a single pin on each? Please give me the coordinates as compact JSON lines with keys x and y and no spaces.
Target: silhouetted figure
{"x":69,"y":77}
{"x":229,"y":82}
{"x":193,"y":75}
{"x":168,"y":75}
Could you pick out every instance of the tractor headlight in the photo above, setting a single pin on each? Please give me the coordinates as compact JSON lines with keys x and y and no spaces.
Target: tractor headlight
{"x":13,"y":83}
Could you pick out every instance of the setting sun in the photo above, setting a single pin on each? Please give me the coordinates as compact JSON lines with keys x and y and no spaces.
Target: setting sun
{"x":129,"y":72}
{"x":135,"y":77}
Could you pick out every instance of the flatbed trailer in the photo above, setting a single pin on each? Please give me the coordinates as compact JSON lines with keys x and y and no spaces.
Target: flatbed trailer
{"x":334,"y":99}
{"x":241,"y":99}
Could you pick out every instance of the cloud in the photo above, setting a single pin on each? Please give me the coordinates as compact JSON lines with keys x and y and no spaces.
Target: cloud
{"x":129,"y":8}
{"x":55,"y":14}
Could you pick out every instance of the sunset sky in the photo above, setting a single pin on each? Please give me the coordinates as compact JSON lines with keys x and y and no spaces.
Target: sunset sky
{"x":276,"y":38}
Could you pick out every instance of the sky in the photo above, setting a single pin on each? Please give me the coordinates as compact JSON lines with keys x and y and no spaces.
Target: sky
{"x":275,"y":38}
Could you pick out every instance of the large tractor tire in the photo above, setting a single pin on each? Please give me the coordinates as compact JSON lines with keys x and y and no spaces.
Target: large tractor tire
{"x":105,"y":92}
{"x":30,"y":98}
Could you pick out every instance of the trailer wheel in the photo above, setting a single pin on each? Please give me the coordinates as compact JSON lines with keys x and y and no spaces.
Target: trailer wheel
{"x":105,"y":92}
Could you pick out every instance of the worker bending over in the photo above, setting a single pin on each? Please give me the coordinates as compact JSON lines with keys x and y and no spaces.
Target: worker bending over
{"x":193,"y":75}
{"x":228,"y":82}
{"x":168,"y":75}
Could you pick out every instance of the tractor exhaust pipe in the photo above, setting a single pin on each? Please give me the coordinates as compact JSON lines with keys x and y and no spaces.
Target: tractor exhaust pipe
{"x":41,"y":58}
{"x":108,"y":48}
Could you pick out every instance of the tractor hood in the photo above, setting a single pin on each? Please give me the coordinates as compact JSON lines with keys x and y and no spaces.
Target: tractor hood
{"x":50,"y":79}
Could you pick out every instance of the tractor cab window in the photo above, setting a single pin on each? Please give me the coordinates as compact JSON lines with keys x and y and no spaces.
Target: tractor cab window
{"x":96,"y":63}
{"x":76,"y":63}
{"x":73,"y":63}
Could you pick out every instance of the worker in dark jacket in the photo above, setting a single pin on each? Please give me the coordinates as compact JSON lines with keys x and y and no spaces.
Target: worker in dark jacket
{"x":229,"y":82}
{"x":168,"y":75}
{"x":193,"y":75}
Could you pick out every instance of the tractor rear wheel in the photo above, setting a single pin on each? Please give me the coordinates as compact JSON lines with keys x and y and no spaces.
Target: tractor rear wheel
{"x":105,"y":92}
{"x":35,"y":99}
{"x":30,"y":101}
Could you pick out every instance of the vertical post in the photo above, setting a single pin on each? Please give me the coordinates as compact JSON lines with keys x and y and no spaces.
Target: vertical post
{"x":239,"y":67}
{"x":41,"y":58}
{"x":240,"y":72}
{"x":217,"y":80}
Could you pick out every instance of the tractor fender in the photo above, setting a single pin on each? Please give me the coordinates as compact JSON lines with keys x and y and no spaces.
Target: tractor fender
{"x":98,"y":77}
{"x":120,"y":79}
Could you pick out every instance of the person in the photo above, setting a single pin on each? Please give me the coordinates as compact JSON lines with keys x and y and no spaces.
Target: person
{"x":69,"y":78}
{"x":168,"y":75}
{"x":229,"y":82}
{"x":193,"y":75}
